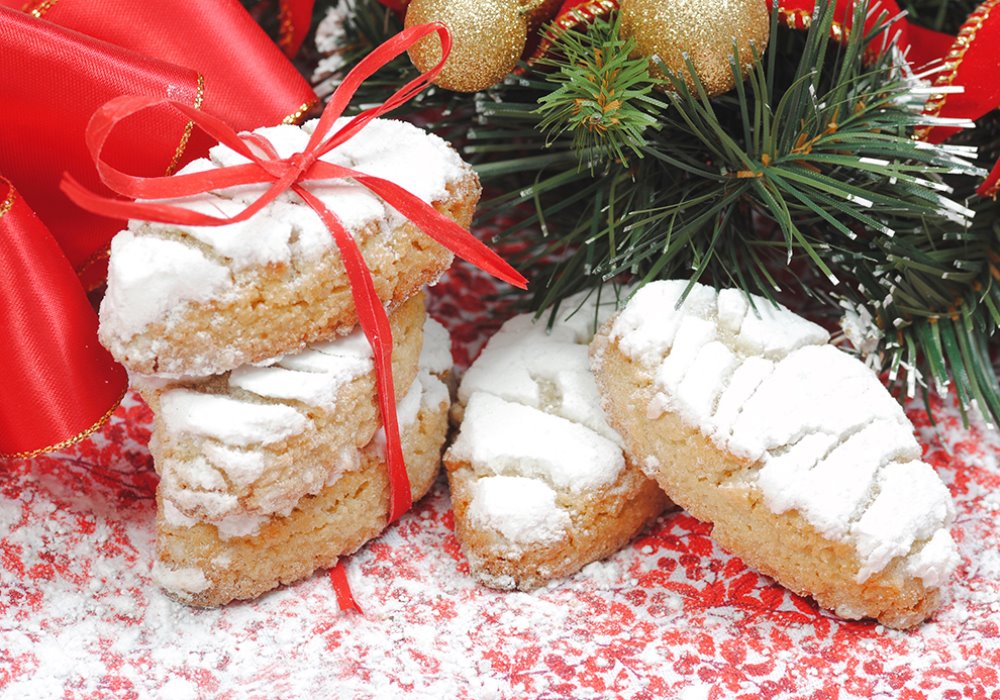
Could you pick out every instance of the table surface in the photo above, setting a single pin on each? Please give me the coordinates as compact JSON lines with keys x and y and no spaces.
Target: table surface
{"x":672,"y":615}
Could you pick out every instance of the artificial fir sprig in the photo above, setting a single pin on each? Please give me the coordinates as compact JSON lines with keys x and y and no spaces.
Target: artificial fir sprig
{"x":805,"y":181}
{"x":603,"y":93}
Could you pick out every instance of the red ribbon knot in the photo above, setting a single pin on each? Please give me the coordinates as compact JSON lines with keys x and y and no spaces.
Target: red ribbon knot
{"x":281,"y":175}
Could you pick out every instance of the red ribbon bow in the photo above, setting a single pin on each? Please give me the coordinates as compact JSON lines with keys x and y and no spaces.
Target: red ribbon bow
{"x":59,"y":61}
{"x":282,"y":174}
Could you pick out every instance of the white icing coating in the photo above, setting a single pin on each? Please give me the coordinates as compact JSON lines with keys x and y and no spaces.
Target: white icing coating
{"x":408,"y":407}
{"x":428,"y":391}
{"x":226,"y":419}
{"x":774,"y":332}
{"x":420,"y":162}
{"x":816,"y":388}
{"x":697,"y":390}
{"x":260,"y":240}
{"x":435,"y":356}
{"x":174,"y":517}
{"x":693,"y":334}
{"x":523,"y":511}
{"x":911,"y":505}
{"x":312,"y":388}
{"x":353,"y":345}
{"x":741,"y":386}
{"x":825,"y":437}
{"x":313,"y":376}
{"x":149,"y":276}
{"x":183,"y":582}
{"x":435,"y":391}
{"x":343,"y":366}
{"x":152,"y":275}
{"x":934,"y":562}
{"x":240,"y":525}
{"x":241,"y":467}
{"x":196,"y":486}
{"x":732,"y":309}
{"x":533,"y":425}
{"x":500,"y":437}
{"x":838,"y":487}
{"x":525,"y":362}
{"x":200,"y":485}
{"x":646,"y":327}
{"x":238,"y":427}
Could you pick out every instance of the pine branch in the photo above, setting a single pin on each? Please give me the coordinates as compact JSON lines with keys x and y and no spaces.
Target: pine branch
{"x":804,"y":181}
{"x":602,"y":95}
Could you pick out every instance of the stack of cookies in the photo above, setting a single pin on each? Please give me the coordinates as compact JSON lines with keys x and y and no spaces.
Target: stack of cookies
{"x":243,"y":340}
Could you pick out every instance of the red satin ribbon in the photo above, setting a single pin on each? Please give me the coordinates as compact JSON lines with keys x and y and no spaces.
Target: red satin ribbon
{"x":45,"y":313}
{"x":973,"y":61}
{"x":342,"y":588}
{"x":295,"y":17}
{"x":397,"y":6}
{"x":291,"y":174}
{"x":56,"y":71}
{"x":920,"y":45}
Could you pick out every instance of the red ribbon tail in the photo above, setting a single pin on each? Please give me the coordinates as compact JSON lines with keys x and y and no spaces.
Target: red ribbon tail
{"x":444,"y":231}
{"x":342,"y":589}
{"x":374,"y":322}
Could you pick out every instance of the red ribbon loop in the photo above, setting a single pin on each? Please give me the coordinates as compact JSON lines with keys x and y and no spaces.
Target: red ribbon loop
{"x":59,"y":384}
{"x":290,"y":174}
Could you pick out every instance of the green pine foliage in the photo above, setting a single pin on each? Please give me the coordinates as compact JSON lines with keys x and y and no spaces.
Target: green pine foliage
{"x":602,"y":97}
{"x":804,"y":182}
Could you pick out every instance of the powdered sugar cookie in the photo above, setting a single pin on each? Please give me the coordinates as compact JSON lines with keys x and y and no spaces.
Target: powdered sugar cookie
{"x":235,"y":448}
{"x":206,"y":564}
{"x":794,"y":450}
{"x":539,"y":483}
{"x":204,"y":300}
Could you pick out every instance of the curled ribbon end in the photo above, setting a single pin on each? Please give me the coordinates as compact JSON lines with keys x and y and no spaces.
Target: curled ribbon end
{"x":342,"y":589}
{"x":400,"y":504}
{"x":519,"y":281}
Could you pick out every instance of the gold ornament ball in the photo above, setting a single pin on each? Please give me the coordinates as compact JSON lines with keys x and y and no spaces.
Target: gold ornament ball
{"x":488,"y":36}
{"x":702,"y":29}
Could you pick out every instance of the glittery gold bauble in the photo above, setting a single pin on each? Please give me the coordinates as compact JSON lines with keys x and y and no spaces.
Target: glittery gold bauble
{"x":702,"y":29}
{"x":488,"y":37}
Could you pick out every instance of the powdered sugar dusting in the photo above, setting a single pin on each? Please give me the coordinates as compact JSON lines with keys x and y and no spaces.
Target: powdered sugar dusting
{"x":80,"y":616}
{"x":228,"y":420}
{"x":500,"y":437}
{"x":522,"y":510}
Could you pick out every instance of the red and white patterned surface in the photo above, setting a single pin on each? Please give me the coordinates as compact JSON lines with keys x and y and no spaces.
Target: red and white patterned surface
{"x":670,"y":616}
